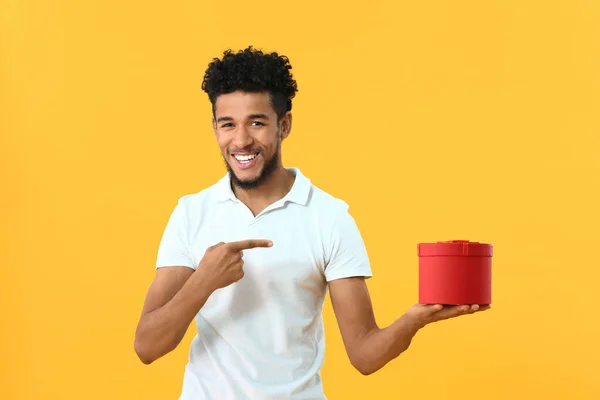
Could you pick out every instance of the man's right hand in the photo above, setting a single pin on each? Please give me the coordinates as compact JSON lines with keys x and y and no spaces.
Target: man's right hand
{"x":223,"y":263}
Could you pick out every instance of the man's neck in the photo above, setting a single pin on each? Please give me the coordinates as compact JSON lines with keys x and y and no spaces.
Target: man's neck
{"x":275,"y":188}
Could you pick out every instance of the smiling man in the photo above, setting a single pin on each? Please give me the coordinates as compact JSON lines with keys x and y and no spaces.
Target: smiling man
{"x":251,"y":258}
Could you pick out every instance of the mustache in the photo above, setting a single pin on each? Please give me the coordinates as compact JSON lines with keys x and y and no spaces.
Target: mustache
{"x":245,"y":150}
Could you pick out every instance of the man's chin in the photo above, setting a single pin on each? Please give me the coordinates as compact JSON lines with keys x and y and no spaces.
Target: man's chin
{"x":246,"y":183}
{"x":244,"y":179}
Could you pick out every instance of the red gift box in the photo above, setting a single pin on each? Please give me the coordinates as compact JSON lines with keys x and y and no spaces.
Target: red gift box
{"x":455,"y":272}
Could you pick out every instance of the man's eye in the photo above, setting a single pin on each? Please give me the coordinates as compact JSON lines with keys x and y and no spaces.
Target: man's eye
{"x":227,"y":125}
{"x":256,"y":123}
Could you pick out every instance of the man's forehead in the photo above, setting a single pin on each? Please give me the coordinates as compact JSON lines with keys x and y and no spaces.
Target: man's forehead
{"x":243,"y":98}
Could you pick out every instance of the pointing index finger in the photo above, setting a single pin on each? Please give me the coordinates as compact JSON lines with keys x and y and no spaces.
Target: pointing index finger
{"x":249,"y":244}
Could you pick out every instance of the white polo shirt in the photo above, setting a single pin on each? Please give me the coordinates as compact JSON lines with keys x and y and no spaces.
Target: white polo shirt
{"x":262,"y":337}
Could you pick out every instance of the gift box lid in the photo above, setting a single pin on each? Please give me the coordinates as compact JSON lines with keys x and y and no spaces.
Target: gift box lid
{"x":455,"y":248}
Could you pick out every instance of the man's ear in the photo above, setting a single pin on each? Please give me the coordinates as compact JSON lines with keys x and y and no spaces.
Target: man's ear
{"x":286,"y":125}
{"x":214,"y":125}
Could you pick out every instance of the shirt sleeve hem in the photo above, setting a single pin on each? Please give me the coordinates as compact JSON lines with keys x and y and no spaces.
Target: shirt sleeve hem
{"x":334,"y":275}
{"x":174,"y":264}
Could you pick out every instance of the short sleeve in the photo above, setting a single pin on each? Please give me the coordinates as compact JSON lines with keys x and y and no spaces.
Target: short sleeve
{"x":347,"y":252}
{"x":174,"y":248}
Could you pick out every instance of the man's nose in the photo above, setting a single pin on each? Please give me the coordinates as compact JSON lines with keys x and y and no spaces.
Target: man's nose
{"x":242,"y":138}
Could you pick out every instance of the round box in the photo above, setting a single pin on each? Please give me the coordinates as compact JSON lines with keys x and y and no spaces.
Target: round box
{"x":455,"y":272}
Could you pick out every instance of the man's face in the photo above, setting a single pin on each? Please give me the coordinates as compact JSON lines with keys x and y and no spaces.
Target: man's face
{"x":249,"y":136}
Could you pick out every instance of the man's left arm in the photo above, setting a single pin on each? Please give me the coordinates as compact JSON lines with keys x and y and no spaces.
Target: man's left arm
{"x":368,"y":346}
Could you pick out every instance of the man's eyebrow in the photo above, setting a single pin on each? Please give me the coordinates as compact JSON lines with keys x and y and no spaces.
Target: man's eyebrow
{"x":258,"y":116}
{"x":221,"y":119}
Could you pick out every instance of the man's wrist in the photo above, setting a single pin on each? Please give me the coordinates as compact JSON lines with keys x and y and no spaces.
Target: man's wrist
{"x":203,"y":281}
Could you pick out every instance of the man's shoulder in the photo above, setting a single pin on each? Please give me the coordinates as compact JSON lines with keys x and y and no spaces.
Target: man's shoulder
{"x":200,"y":197}
{"x":327,"y":204}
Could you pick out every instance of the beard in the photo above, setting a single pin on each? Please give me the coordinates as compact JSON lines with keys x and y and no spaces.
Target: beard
{"x":269,"y":167}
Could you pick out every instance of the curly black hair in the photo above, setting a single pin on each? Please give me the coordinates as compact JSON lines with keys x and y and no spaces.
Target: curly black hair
{"x":252,"y":70}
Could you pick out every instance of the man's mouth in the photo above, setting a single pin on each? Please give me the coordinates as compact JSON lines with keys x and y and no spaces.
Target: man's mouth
{"x":245,"y":157}
{"x":245,"y":160}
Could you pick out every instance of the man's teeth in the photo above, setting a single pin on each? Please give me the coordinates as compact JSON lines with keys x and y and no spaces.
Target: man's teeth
{"x":248,"y":157}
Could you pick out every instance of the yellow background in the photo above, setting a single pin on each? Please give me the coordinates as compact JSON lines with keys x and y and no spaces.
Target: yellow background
{"x":434,"y":120}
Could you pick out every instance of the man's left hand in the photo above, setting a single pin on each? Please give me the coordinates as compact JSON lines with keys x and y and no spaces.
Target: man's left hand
{"x":424,"y":314}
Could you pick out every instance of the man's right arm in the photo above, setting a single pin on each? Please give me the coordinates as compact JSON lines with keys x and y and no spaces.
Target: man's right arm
{"x":178,"y":293}
{"x":173,"y":300}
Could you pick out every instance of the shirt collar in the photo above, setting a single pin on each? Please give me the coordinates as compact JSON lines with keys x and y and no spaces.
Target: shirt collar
{"x":299,"y":193}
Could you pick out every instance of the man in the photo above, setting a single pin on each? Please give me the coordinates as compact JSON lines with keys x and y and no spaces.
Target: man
{"x":251,"y":257}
